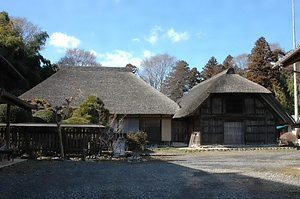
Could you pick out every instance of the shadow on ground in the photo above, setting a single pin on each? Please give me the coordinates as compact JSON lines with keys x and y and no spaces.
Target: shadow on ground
{"x":152,"y":179}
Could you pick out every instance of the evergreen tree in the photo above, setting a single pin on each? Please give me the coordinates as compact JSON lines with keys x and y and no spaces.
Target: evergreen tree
{"x":280,"y":85}
{"x":211,"y":68}
{"x":194,"y":77}
{"x":20,"y":44}
{"x":259,"y":69}
{"x":177,"y":81}
{"x":91,"y":110}
{"x":290,"y":89}
{"x":228,"y":62}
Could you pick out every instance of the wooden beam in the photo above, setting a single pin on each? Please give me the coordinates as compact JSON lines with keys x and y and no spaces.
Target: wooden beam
{"x":13,"y":100}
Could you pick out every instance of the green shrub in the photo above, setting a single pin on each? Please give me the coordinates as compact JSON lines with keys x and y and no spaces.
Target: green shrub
{"x":44,"y":116}
{"x":18,"y":114}
{"x":76,"y":120}
{"x":137,"y":140}
{"x":91,"y":110}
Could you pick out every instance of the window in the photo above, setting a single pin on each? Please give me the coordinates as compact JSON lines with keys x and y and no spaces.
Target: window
{"x":234,"y":105}
{"x":131,"y":125}
{"x":152,"y":126}
{"x":217,"y":105}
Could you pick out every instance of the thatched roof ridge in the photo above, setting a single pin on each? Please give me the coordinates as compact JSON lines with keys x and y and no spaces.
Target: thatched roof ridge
{"x":121,"y":91}
{"x":225,"y":82}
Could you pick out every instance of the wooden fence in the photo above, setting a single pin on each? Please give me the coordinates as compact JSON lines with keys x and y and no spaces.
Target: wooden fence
{"x":43,"y":138}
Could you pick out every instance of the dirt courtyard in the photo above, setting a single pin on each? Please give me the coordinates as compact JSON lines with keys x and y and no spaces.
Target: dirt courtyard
{"x":168,"y":174}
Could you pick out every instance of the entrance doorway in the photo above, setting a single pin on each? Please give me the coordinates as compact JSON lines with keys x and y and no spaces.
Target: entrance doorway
{"x":233,"y":133}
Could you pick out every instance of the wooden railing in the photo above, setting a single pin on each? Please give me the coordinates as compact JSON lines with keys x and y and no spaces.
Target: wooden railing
{"x":43,"y":138}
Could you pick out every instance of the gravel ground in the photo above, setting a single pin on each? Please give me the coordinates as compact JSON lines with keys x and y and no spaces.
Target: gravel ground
{"x":168,"y":174}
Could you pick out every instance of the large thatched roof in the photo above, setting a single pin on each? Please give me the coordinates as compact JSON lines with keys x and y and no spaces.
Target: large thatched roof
{"x":121,"y":91}
{"x":226,"y":82}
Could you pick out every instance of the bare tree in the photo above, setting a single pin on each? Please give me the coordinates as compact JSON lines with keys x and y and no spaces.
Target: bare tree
{"x":113,"y":128}
{"x":275,"y":46}
{"x":61,"y":112}
{"x":241,"y":61}
{"x":78,"y":57}
{"x":29,"y":33}
{"x":155,"y":69}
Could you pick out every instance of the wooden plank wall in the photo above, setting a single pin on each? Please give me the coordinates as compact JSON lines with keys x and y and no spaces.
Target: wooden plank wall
{"x":45,"y":140}
{"x":180,"y":131}
{"x":257,"y":124}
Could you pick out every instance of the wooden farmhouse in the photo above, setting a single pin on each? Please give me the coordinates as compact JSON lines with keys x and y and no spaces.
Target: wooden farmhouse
{"x":122,"y":92}
{"x":229,"y":109}
{"x":226,"y":109}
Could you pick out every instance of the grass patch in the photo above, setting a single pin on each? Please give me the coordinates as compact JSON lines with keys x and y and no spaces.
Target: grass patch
{"x":291,"y":170}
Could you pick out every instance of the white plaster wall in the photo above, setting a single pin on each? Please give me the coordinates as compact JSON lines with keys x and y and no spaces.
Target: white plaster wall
{"x":166,"y":129}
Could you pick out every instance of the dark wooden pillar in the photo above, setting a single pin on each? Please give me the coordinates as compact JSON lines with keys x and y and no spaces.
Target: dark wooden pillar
{"x":7,"y":133}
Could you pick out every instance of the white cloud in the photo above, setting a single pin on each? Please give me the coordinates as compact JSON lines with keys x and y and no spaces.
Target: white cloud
{"x":201,"y":34}
{"x":118,"y":58}
{"x":148,"y":53}
{"x":136,"y":40}
{"x":177,"y":36}
{"x":154,"y":35}
{"x":158,"y":33}
{"x":63,"y":41}
{"x":94,"y":52}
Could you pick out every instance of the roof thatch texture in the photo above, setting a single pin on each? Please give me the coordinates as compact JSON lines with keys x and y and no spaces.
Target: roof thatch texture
{"x":121,"y":91}
{"x":226,"y":82}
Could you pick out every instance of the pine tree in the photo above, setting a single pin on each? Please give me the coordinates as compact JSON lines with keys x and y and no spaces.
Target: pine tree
{"x":259,"y":69}
{"x":228,"y":62}
{"x":211,"y":68}
{"x":20,"y":44}
{"x":194,"y":77}
{"x":177,"y":81}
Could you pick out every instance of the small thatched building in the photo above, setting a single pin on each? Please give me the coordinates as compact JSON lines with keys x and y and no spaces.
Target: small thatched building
{"x":122,"y":92}
{"x":229,"y":109}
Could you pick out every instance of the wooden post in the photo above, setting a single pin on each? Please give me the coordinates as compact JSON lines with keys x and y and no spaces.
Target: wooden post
{"x":7,"y":132}
{"x":61,"y":146}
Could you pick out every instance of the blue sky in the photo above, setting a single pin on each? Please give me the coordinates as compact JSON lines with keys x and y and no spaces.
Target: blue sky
{"x":128,"y":31}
